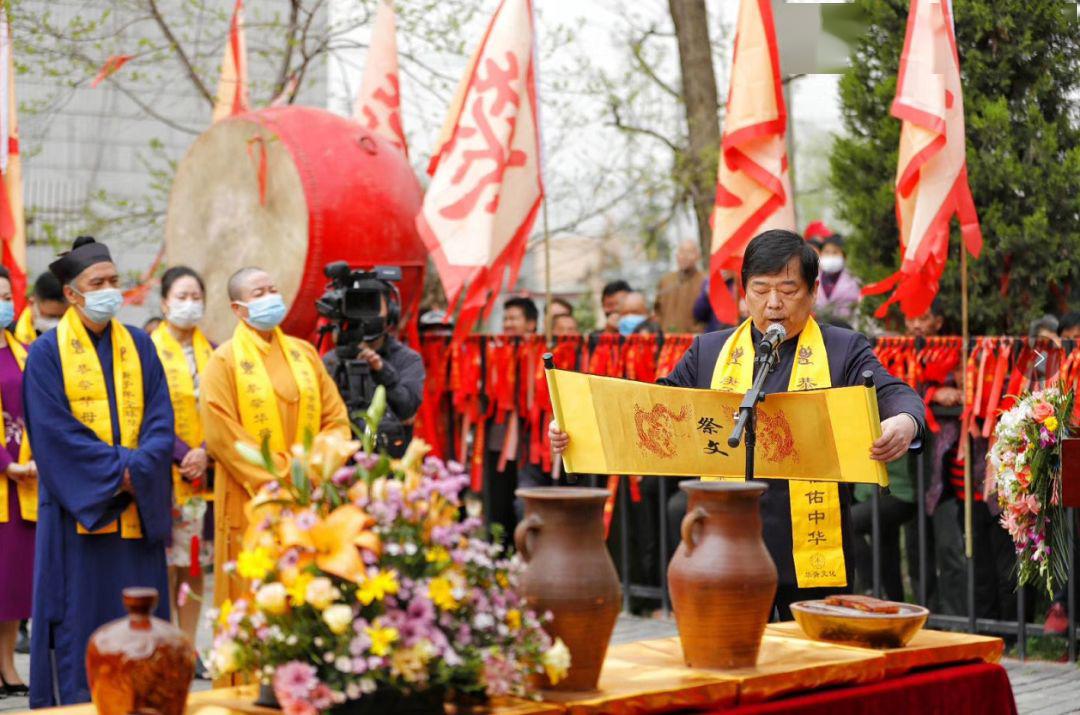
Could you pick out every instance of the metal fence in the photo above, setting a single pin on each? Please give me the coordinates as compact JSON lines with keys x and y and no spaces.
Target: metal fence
{"x":479,"y":378}
{"x":1019,"y":628}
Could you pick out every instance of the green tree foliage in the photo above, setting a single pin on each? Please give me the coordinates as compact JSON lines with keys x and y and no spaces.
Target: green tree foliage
{"x":1020,"y":67}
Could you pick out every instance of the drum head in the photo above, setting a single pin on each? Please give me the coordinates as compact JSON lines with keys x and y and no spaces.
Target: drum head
{"x":237,"y":200}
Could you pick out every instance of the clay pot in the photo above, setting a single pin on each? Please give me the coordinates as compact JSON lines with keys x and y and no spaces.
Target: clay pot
{"x":569,"y":572}
{"x":722,"y":579}
{"x":139,"y":663}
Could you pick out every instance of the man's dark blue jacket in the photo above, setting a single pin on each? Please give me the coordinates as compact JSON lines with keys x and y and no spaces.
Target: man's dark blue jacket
{"x":849,"y":356}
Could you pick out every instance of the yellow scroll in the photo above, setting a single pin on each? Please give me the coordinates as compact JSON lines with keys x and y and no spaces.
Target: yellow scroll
{"x":626,"y":427}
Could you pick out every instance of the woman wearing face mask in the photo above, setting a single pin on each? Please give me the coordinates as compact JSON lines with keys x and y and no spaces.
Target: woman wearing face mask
{"x":184,"y":352}
{"x":839,"y":293}
{"x":18,"y":498}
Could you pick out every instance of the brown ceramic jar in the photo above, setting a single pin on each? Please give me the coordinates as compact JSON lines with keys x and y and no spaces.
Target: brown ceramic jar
{"x":570,"y":573}
{"x":722,"y":579}
{"x":139,"y":663}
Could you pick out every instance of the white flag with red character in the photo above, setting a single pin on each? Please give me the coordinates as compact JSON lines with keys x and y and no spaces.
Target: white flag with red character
{"x":485,"y":175}
{"x":378,"y":105}
{"x":753,"y":191}
{"x":931,"y":173}
{"x":232,"y":90}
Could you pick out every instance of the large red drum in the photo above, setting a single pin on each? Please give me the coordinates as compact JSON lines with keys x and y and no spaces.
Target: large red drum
{"x":290,"y":189}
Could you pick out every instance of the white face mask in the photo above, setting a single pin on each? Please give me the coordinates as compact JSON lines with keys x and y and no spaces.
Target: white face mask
{"x":44,"y":324}
{"x":185,"y":314}
{"x":832,"y":264}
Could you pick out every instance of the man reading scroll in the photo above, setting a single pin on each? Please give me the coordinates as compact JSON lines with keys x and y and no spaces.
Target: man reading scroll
{"x":260,"y":386}
{"x":101,"y":428}
{"x":807,"y":525}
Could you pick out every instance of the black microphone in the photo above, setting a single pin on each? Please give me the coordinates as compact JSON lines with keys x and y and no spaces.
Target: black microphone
{"x":774,"y":335}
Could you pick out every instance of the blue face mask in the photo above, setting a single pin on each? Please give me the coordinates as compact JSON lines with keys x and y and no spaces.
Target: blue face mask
{"x":7,"y":313}
{"x":629,"y":323}
{"x":266,"y":313}
{"x":102,"y":305}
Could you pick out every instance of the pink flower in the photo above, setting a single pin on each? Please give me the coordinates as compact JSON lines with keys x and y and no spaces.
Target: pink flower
{"x":297,"y":707}
{"x":305,"y":520}
{"x":1041,"y":411}
{"x":182,"y":594}
{"x":321,"y":697}
{"x":1032,"y":504}
{"x":294,"y":681}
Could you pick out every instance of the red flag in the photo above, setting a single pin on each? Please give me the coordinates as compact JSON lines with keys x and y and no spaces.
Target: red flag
{"x":753,"y":193}
{"x":137,"y":294}
{"x":486,"y":185}
{"x":378,"y":104}
{"x":931,"y":174}
{"x":232,"y":91}
{"x":111,"y":66}
{"x":12,"y":222}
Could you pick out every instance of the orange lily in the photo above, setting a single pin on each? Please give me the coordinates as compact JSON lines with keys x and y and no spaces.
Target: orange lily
{"x":329,"y":453}
{"x":257,"y":510}
{"x":335,"y":540}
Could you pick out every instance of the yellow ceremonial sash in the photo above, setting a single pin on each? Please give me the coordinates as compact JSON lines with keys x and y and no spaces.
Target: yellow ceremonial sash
{"x":27,"y":493}
{"x":255,"y":393}
{"x":816,"y":543}
{"x":25,"y":332}
{"x":182,"y":395}
{"x":84,"y":384}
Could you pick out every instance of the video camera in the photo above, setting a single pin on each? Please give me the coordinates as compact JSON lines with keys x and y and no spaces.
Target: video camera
{"x":353,"y":299}
{"x":352,"y":305}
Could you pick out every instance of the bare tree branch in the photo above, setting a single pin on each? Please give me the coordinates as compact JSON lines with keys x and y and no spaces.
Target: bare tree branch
{"x":179,"y":51}
{"x":618,"y":123}
{"x":636,"y":48}
{"x":290,"y":43}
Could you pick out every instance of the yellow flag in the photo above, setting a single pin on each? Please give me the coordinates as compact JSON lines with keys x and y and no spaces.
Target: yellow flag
{"x":626,"y":427}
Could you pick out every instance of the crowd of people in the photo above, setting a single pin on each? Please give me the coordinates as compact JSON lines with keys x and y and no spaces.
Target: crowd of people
{"x":682,"y":306}
{"x":120,"y":465}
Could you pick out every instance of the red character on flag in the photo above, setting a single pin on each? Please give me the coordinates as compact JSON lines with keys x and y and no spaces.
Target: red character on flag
{"x":931,"y":173}
{"x":486,"y":185}
{"x":378,"y":104}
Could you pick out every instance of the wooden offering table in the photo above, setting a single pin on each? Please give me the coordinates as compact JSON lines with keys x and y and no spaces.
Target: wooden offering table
{"x":792,"y":670}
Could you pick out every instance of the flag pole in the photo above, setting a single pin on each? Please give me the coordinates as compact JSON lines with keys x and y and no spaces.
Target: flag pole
{"x":964,"y":437}
{"x":556,"y":467}
{"x":547,"y":275}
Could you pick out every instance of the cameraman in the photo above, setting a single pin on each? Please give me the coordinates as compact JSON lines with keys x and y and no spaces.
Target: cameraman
{"x":397,"y":368}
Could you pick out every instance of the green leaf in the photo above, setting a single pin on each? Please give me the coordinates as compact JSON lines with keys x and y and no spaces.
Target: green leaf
{"x":267,"y":455}
{"x":300,"y":481}
{"x":250,"y":454}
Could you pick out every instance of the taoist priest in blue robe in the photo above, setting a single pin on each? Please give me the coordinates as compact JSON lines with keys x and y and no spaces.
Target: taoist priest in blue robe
{"x":780,"y":275}
{"x":103,"y":453}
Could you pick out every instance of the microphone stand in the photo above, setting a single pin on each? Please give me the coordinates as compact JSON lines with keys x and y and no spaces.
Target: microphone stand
{"x":746,"y":423}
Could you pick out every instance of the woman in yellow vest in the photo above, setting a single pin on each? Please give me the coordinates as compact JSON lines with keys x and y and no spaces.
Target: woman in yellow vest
{"x":184,"y":350}
{"x":18,"y":498}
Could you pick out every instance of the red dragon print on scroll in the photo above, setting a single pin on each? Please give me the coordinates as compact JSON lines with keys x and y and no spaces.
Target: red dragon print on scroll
{"x":656,"y":429}
{"x":775,"y":438}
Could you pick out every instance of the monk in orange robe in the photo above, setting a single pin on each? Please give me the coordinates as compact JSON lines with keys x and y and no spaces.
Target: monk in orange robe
{"x":261,"y":385}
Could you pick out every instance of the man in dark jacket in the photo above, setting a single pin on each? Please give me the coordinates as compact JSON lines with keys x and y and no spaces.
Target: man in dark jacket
{"x":780,"y":275}
{"x":400,"y":370}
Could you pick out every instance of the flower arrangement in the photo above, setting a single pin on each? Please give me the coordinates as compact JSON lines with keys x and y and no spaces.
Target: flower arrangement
{"x":365,"y":583}
{"x":1025,"y":474}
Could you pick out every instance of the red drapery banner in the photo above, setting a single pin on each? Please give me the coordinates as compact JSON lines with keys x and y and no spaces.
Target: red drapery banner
{"x":931,"y":172}
{"x":753,"y":192}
